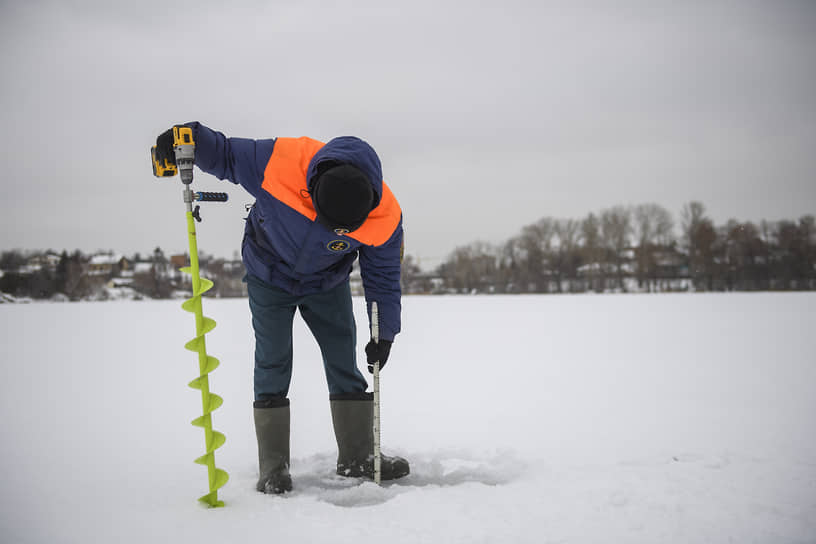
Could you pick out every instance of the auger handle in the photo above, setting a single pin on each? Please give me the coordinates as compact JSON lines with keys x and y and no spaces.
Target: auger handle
{"x":203,"y":196}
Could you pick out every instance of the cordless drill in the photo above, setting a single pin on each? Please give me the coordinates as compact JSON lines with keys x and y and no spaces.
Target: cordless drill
{"x":184,"y":147}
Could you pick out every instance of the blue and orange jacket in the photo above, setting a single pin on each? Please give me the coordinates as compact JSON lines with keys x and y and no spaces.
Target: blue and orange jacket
{"x":284,"y":245}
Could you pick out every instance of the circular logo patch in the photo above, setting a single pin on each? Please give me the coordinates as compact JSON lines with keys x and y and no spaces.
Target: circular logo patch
{"x":338,"y":245}
{"x":341,"y":232}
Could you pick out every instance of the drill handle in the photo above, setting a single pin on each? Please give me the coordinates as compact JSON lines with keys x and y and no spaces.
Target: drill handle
{"x":164,"y":168}
{"x":203,"y":196}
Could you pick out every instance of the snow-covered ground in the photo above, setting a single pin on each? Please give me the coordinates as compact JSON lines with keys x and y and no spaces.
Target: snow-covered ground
{"x":587,"y":419}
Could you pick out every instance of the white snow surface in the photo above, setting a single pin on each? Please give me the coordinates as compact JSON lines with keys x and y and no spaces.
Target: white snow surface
{"x":549,"y":419}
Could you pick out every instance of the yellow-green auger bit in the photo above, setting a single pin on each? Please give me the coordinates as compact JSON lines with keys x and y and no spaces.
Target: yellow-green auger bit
{"x":209,"y":401}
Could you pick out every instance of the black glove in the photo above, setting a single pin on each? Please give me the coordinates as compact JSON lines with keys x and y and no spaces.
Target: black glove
{"x":377,"y":351}
{"x":164,"y":148}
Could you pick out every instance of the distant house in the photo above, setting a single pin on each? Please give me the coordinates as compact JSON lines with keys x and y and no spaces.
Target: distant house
{"x":234,"y":266}
{"x":179,"y":261}
{"x":48,"y":260}
{"x":424,"y":283}
{"x":627,"y":254}
{"x":103,"y":264}
{"x":143,"y":267}
{"x":671,"y":264}
{"x":44,"y":261}
{"x":114,"y":283}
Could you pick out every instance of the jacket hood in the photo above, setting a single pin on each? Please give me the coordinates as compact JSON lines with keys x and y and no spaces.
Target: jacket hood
{"x":354,"y":151}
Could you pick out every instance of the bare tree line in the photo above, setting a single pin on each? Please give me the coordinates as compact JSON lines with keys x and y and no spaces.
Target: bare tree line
{"x":621,"y":249}
{"x":633,"y":248}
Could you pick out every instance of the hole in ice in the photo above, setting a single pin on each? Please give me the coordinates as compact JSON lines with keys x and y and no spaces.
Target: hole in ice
{"x":314,"y":476}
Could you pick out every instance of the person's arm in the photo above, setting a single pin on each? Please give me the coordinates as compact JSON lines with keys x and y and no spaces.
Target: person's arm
{"x":239,"y":160}
{"x":380,"y":271}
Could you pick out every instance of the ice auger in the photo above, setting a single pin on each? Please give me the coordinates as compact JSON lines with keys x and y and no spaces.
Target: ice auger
{"x":184,"y":148}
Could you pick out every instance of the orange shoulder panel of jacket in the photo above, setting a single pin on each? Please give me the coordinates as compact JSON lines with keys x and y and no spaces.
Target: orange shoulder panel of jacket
{"x":381,"y":222}
{"x":285,"y":173}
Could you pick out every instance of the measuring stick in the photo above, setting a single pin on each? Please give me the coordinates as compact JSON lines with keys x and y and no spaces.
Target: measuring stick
{"x":375,"y":335}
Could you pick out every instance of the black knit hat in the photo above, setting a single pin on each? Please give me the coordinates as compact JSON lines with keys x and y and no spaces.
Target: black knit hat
{"x":342,"y":197}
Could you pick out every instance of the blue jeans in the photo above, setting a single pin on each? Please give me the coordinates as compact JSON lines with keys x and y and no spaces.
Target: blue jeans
{"x":328,"y":315}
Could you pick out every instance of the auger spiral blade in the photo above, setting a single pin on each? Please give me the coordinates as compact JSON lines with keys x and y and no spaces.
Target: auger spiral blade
{"x":210,"y":402}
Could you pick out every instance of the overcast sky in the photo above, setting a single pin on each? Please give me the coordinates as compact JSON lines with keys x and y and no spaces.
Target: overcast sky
{"x":487,"y":116}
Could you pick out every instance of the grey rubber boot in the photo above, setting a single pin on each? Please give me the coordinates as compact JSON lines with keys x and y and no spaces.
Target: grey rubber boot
{"x":272,"y":431}
{"x":353,"y":418}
